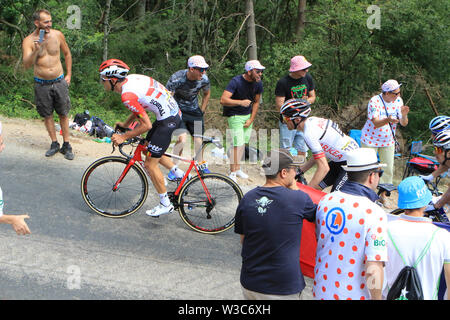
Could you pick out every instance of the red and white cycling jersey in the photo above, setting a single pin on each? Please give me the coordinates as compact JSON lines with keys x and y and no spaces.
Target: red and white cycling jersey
{"x":141,"y":93}
{"x":325,"y":139}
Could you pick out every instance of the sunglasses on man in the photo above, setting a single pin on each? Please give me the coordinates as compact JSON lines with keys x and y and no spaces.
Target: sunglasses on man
{"x":395,"y":93}
{"x":380,"y":172}
{"x":201,"y":69}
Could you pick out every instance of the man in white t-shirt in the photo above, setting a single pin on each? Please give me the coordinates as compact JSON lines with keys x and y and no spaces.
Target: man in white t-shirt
{"x":410,"y":234}
{"x":351,"y":234}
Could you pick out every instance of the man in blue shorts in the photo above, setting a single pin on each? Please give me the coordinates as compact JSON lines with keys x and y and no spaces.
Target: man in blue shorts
{"x":185,"y":86}
{"x":240,"y":101}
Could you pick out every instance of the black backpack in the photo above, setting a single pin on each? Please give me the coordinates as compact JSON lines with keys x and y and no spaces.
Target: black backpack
{"x":407,"y":285}
{"x":81,"y":118}
{"x":100,"y":129}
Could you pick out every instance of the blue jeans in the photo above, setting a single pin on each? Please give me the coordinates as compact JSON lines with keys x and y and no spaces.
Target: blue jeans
{"x":292,"y":138}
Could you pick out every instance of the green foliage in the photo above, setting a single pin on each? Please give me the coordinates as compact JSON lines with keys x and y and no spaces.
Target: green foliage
{"x":349,"y":61}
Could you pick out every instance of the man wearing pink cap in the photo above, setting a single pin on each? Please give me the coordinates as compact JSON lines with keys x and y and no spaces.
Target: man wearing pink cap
{"x":240,"y":101}
{"x":384,"y":112}
{"x":297,"y":84}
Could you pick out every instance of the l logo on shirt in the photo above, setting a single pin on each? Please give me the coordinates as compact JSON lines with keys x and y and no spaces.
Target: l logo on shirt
{"x":335,"y":220}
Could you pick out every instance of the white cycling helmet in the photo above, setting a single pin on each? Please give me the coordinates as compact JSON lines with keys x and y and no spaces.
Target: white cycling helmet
{"x":295,"y":108}
{"x":439,"y":123}
{"x":113,"y":68}
{"x":442,"y":140}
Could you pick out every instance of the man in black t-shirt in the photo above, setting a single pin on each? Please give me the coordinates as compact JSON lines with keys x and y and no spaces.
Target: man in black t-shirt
{"x":240,"y":101}
{"x":297,"y":84}
{"x":269,"y":219}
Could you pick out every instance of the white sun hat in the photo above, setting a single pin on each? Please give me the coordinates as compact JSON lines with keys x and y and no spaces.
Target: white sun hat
{"x":362,"y":159}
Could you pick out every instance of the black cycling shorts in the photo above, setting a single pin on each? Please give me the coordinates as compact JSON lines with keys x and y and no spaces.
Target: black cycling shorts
{"x":192,"y":124}
{"x":336,"y":177}
{"x":160,"y":135}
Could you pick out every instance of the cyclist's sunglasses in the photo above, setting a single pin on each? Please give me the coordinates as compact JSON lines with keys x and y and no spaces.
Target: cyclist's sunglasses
{"x":438,"y":150}
{"x":380,"y":172}
{"x":258,"y":71}
{"x":201,"y":69}
{"x":395,"y":93}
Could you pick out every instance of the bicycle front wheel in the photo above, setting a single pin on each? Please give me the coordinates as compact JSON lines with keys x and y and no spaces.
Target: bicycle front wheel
{"x":213,"y":214}
{"x":97,"y":187}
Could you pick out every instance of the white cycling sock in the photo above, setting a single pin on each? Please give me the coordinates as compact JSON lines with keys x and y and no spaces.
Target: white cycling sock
{"x":164,"y":199}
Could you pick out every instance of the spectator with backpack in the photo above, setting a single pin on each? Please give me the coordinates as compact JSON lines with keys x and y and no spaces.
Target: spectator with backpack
{"x":417,"y":249}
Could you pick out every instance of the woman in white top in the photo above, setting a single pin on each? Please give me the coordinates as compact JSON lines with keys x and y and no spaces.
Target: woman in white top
{"x":384,"y":111}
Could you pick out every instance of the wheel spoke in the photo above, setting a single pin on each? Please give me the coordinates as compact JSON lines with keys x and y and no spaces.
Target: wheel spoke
{"x":194,"y":204}
{"x":99,"y":180}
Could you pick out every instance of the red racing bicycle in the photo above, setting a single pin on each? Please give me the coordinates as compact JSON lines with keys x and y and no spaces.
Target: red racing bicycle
{"x":117,"y":186}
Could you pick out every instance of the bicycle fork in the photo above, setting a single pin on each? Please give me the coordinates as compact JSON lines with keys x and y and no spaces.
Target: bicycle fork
{"x":210,"y":202}
{"x":137,"y":157}
{"x":124,"y":173}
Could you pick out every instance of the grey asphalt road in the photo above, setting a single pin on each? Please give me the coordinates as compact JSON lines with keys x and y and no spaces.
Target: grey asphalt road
{"x":74,"y":253}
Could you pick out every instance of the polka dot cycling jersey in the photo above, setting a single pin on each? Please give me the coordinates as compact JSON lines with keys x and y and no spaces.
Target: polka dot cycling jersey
{"x":382,"y":136}
{"x":351,"y":230}
{"x":325,"y":139}
{"x":141,"y":93}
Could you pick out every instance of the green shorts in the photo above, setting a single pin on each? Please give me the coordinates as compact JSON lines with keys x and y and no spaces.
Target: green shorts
{"x":239,"y":134}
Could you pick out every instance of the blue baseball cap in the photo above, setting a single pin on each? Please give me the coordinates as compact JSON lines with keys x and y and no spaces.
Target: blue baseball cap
{"x":413,"y":193}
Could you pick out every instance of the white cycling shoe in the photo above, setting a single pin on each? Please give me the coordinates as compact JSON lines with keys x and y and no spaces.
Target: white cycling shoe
{"x":159,"y":210}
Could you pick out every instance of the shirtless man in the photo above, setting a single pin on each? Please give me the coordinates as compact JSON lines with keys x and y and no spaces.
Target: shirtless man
{"x":51,"y":87}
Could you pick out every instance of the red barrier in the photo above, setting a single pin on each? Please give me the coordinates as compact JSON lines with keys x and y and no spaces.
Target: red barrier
{"x":308,"y":241}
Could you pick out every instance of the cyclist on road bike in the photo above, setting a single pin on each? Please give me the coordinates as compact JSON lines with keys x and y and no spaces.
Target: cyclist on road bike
{"x":324,"y":139}
{"x":140,"y":94}
{"x":437,"y":124}
{"x":442,"y":151}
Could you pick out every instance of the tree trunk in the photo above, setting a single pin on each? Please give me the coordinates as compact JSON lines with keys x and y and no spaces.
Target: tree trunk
{"x":106,"y":29}
{"x":190,"y":35}
{"x":140,"y":9}
{"x":300,"y":19}
{"x":251,"y":32}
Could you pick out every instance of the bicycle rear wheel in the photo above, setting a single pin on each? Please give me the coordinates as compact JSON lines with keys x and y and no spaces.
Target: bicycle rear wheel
{"x":97,"y":187}
{"x":206,"y":216}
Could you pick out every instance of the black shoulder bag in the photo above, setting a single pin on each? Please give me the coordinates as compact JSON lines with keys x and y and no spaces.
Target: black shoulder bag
{"x":397,"y":145}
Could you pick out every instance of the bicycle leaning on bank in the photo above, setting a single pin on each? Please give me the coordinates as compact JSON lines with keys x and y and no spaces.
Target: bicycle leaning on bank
{"x":117,"y":186}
